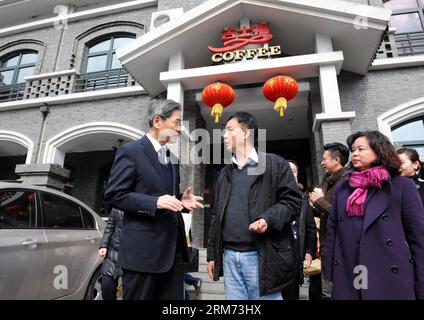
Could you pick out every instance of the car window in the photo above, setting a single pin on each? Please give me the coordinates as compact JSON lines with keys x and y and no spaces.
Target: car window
{"x":61,"y":213}
{"x":87,"y":219}
{"x":17,"y":209}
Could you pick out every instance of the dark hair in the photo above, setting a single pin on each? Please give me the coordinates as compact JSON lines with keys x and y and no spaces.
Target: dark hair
{"x":337,"y":149}
{"x":413,"y":156}
{"x":162,"y":108}
{"x":383,"y":148}
{"x":247,"y":121}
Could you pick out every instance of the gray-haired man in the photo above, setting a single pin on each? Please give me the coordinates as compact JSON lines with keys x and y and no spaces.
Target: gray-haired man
{"x":144,"y":183}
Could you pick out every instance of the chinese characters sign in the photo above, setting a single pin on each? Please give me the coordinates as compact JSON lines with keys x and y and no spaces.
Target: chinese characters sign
{"x":235,"y":39}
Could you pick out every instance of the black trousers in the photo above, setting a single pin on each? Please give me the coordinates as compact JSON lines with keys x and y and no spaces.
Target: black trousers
{"x":291,"y":292}
{"x":109,"y":286}
{"x":315,"y":287}
{"x":156,"y":286}
{"x":153,"y":286}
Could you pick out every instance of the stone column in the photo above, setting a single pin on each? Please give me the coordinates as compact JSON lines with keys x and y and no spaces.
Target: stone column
{"x":43,"y":174}
{"x":333,"y":125}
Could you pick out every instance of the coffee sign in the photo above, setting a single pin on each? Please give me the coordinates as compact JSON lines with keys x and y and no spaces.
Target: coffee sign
{"x":235,"y":39}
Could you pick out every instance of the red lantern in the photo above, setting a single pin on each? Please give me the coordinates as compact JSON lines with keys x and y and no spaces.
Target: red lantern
{"x":280,"y":89}
{"x":218,"y":96}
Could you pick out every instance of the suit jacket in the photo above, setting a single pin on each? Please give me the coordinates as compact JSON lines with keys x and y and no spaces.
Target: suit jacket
{"x":149,"y":235}
{"x":388,"y":241}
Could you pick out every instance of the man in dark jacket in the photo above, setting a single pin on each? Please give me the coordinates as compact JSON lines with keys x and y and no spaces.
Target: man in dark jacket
{"x":334,"y":158}
{"x":256,"y":200}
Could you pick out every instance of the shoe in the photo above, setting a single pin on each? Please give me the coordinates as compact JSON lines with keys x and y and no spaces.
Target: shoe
{"x":198,"y":286}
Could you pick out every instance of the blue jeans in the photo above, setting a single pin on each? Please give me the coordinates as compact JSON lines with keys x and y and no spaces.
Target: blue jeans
{"x":241,"y":277}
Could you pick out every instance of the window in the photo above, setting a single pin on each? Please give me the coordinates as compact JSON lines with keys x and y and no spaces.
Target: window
{"x":400,"y":4}
{"x":88,"y":219}
{"x":410,"y":134}
{"x":408,"y":22}
{"x":408,"y":19}
{"x":17,"y":210}
{"x":102,"y":66}
{"x":61,"y":213}
{"x":14,"y":69}
{"x":101,"y":56}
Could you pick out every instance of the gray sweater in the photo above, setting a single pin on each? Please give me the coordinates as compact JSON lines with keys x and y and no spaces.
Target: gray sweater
{"x":236,"y":234}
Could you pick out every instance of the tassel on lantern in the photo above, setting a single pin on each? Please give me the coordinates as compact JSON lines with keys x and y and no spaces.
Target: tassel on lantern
{"x":217,"y":111}
{"x":280,"y":105}
{"x":279,"y":90}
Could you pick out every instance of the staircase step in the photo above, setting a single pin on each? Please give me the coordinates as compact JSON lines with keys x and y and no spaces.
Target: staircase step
{"x":209,"y":287}
{"x":211,"y":296}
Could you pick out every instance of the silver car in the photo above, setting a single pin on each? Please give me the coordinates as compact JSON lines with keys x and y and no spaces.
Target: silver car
{"x":48,"y":245}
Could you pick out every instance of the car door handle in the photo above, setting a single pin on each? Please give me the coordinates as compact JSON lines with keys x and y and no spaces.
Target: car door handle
{"x":90,"y":239}
{"x":28,"y":243}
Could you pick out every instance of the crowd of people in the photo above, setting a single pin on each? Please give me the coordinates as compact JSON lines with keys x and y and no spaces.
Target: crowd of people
{"x":363,"y":224}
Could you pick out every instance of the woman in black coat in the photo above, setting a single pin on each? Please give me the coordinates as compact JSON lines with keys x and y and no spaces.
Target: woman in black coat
{"x":412,"y":167}
{"x":109,"y":249}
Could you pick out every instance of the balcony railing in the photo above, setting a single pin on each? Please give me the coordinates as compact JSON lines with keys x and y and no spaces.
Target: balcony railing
{"x":12,"y":92}
{"x":102,"y":80}
{"x":411,"y":43}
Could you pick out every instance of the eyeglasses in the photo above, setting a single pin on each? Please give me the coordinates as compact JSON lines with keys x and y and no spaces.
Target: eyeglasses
{"x":176,"y":123}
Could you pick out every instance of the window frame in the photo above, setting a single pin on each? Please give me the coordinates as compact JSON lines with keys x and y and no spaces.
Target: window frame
{"x":109,"y":53}
{"x":416,"y":119}
{"x":44,"y":213}
{"x":93,"y":219}
{"x":415,"y":144}
{"x":38,"y":216}
{"x":18,"y":66}
{"x":418,"y":9}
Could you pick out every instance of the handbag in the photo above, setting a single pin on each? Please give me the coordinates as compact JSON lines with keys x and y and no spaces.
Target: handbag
{"x":314,"y":268}
{"x":193,"y":261}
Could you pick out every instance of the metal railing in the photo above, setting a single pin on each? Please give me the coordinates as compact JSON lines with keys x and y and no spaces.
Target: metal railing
{"x":114,"y":78}
{"x":12,"y":92}
{"x":411,"y":43}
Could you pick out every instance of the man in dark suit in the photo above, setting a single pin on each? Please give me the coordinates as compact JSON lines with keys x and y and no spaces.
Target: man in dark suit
{"x":144,"y":183}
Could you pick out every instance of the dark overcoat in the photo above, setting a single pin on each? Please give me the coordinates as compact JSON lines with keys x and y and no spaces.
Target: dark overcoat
{"x":386,"y":246}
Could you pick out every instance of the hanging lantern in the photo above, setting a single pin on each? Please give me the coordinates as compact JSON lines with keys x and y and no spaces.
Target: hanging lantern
{"x":280,"y":89}
{"x":218,"y":96}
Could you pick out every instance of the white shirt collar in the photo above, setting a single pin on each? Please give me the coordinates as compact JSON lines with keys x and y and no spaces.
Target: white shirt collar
{"x":155,"y":143}
{"x":161,"y":150}
{"x":252,"y":159}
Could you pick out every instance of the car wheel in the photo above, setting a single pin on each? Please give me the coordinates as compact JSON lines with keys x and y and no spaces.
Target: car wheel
{"x":94,"y":289}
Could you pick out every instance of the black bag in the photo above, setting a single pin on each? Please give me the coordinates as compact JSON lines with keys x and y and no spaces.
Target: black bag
{"x":193,"y":264}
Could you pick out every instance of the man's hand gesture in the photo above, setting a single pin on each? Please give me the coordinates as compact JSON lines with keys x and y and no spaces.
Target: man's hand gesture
{"x":259,"y":226}
{"x":170,"y":203}
{"x":190,"y":201}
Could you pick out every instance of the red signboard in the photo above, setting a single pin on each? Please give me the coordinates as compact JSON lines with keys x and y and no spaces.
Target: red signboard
{"x":235,"y":39}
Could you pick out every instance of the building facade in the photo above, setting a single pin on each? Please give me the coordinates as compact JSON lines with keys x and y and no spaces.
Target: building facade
{"x":76,"y":80}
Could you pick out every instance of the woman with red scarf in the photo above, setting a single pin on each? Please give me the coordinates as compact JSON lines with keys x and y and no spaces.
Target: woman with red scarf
{"x":375,"y":230}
